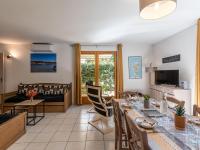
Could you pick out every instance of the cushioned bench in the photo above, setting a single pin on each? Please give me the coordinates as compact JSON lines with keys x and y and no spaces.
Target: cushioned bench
{"x":11,"y":129}
{"x":48,"y":98}
{"x":58,"y":97}
{"x":5,"y":117}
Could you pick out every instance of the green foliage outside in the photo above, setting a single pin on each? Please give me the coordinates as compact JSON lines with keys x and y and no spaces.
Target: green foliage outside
{"x":87,"y":73}
{"x":106,"y":74}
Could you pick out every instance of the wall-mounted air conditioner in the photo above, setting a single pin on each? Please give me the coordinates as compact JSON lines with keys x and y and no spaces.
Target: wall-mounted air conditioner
{"x":43,"y":48}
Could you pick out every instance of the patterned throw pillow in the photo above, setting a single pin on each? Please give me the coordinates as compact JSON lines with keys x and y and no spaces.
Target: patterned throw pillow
{"x":47,"y":89}
{"x":22,"y":88}
{"x":33,"y":87}
{"x":65,"y":87}
{"x":56,"y":90}
{"x":40,"y":89}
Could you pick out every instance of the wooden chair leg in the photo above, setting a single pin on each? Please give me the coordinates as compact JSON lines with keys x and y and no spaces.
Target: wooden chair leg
{"x":120,"y":141}
{"x":116,"y":139}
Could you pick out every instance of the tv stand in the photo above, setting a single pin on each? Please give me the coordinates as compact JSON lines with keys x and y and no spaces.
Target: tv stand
{"x":157,"y":92}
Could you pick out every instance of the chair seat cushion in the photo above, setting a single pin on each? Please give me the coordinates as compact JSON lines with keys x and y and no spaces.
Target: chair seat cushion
{"x":103,"y":113}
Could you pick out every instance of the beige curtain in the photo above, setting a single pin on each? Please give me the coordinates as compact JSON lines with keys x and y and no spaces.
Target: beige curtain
{"x":119,"y":75}
{"x":77,"y":78}
{"x":197,"y":89}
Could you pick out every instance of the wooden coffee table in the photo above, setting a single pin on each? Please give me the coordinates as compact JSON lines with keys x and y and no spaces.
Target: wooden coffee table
{"x":35,"y":118}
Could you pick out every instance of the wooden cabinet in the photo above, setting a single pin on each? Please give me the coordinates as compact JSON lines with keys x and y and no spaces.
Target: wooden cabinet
{"x":157,"y":92}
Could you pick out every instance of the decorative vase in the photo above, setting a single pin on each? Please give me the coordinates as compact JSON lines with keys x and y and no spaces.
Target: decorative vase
{"x":31,"y":98}
{"x":179,"y":122}
{"x":146,"y":104}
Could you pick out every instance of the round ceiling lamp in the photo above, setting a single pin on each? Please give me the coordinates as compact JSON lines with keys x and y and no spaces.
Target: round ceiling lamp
{"x":155,"y":9}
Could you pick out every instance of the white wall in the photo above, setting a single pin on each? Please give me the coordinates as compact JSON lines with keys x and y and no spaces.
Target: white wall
{"x":17,"y":69}
{"x":137,"y":50}
{"x":130,"y":50}
{"x":183,"y":43}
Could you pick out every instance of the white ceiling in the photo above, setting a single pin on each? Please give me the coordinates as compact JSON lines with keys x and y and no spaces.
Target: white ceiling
{"x":89,"y":21}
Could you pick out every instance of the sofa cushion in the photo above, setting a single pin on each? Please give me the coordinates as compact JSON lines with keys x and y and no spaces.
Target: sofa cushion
{"x":5,"y":117}
{"x":16,"y":99}
{"x":24,"y":88}
{"x":51,"y":98}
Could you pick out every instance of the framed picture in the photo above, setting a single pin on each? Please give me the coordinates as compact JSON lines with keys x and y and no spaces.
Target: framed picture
{"x":43,"y":62}
{"x":135,"y":67}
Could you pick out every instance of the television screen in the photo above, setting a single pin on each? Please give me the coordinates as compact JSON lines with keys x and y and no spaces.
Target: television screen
{"x":43,"y":62}
{"x":170,"y":77}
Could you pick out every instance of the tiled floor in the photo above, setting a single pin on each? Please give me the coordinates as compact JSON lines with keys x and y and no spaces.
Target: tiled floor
{"x":65,"y":131}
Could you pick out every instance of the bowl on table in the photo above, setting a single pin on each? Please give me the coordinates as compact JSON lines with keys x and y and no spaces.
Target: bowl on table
{"x":194,"y":120}
{"x":146,"y":123}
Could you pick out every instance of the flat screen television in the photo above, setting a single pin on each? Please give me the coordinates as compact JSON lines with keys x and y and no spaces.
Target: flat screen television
{"x":170,"y":77}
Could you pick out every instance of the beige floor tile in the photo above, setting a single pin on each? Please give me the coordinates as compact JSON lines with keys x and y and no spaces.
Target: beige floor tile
{"x":20,"y":146}
{"x":56,"y":121}
{"x":56,"y":146}
{"x":81,"y":127}
{"x":72,"y":116}
{"x":43,"y":137}
{"x":50,"y":128}
{"x":36,"y":146}
{"x":65,"y":127}
{"x":84,"y":115}
{"x":36,"y":129}
{"x":109,"y":145}
{"x":45,"y":121}
{"x":109,"y":136}
{"x":69,"y":121}
{"x":75,"y":146}
{"x":94,"y":136}
{"x":60,"y":136}
{"x":28,"y":137}
{"x":77,"y":136}
{"x":94,"y":145}
{"x":69,"y":131}
{"x":82,"y":120}
{"x":61,"y":116}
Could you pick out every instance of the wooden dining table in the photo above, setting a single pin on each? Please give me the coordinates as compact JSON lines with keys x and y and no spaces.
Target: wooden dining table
{"x":164,"y":136}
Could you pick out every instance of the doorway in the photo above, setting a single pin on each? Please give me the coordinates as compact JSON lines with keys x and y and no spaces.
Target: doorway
{"x":99,"y":67}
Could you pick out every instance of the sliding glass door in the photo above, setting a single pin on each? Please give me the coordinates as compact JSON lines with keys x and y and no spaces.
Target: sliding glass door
{"x":87,"y":70}
{"x":99,"y":67}
{"x":107,"y":74}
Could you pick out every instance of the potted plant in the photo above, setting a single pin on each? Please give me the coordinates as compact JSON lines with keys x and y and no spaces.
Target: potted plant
{"x":146,"y":101}
{"x":179,"y":118}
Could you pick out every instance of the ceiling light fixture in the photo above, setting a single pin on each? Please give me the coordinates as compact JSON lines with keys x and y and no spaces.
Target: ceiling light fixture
{"x":155,"y":9}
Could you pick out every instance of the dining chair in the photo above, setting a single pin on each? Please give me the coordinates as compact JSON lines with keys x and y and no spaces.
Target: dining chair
{"x":137,"y":137}
{"x":103,"y":109}
{"x":196,"y":110}
{"x":121,"y":141}
{"x":175,"y":101}
{"x":90,"y":109}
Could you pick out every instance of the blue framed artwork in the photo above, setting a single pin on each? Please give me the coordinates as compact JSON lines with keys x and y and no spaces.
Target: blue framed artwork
{"x":43,"y":62}
{"x":135,"y":67}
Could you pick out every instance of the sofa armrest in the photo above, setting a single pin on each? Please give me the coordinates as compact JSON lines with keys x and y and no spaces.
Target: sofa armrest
{"x":8,"y":95}
{"x":12,"y":130}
